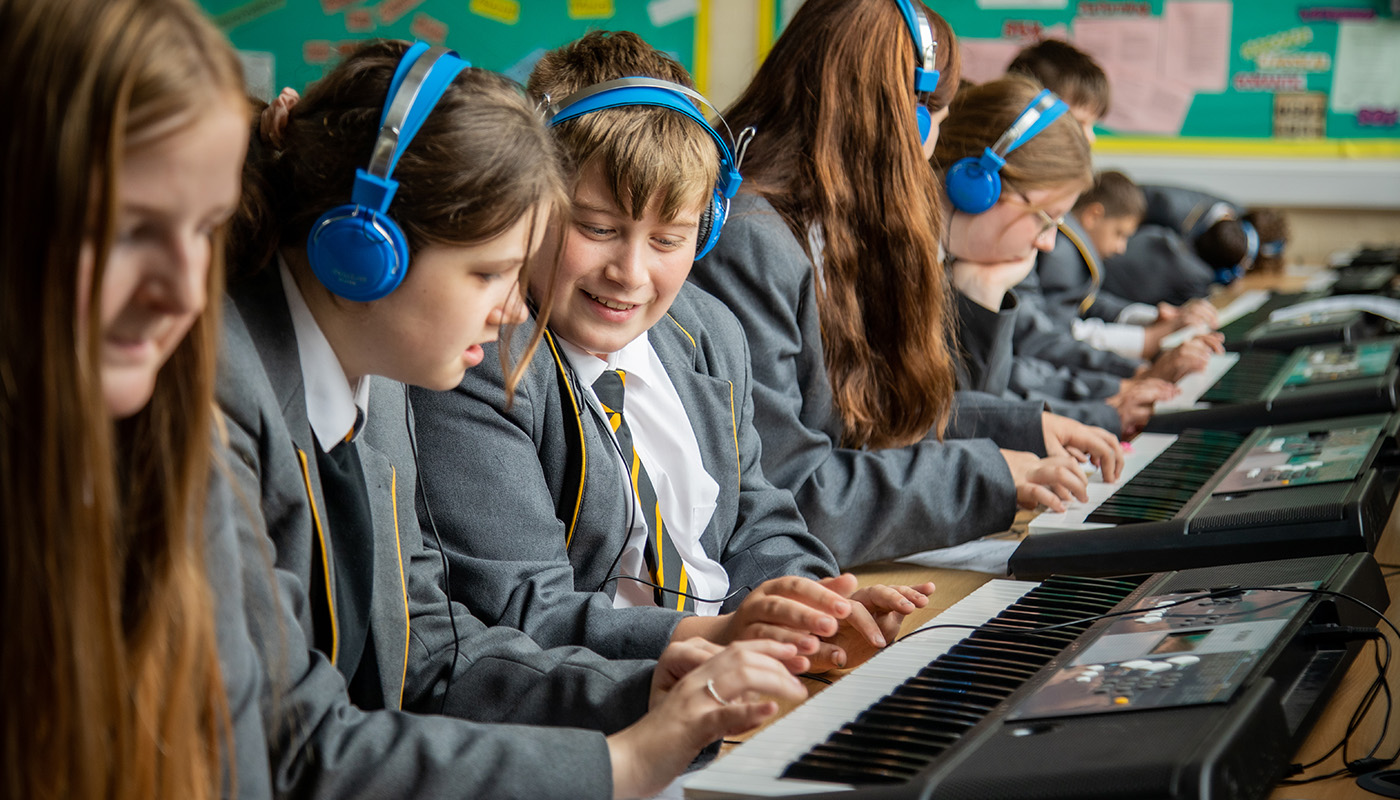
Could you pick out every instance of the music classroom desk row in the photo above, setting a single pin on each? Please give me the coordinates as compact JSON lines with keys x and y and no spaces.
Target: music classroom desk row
{"x":953,"y":585}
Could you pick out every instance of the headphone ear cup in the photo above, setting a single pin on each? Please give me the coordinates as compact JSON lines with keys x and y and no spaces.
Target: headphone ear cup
{"x":357,"y":253}
{"x":711,"y":223}
{"x":972,"y":188}
{"x":925,"y":119}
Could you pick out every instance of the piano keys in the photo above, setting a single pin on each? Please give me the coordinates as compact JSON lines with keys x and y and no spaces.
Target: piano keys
{"x":1269,"y":387}
{"x":1220,"y":497}
{"x":1206,"y":698}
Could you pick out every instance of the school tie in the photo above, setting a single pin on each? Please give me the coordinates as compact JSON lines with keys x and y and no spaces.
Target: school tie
{"x":662,"y":558}
{"x":351,"y":530}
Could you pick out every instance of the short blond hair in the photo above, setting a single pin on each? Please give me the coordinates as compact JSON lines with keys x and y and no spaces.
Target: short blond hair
{"x":645,"y":153}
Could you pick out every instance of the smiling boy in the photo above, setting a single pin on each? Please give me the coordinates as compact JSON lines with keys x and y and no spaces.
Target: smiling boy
{"x":616,"y":501}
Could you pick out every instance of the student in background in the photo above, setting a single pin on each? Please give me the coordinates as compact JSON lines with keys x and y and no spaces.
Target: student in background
{"x":1070,"y":275}
{"x":831,"y":262}
{"x":360,"y":266}
{"x":571,"y":519}
{"x":1221,"y":234}
{"x":1070,"y":73}
{"x":1001,"y":212}
{"x":125,"y":649}
{"x":1075,"y":76}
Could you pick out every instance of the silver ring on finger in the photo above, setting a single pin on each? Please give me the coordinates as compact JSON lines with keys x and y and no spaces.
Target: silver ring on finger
{"x":710,"y":687}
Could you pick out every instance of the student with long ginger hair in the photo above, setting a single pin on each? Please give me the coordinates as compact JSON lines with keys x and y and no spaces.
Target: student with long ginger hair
{"x":831,"y":260}
{"x":125,"y":652}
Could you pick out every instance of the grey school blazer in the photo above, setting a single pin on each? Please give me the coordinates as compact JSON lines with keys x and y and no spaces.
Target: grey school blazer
{"x":865,"y":505}
{"x":530,"y":504}
{"x":1063,"y":277}
{"x":1158,"y":267}
{"x":323,"y":747}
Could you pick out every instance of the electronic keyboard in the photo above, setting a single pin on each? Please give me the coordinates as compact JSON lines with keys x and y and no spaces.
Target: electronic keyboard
{"x":1186,"y":693}
{"x":1220,"y":497}
{"x":1255,"y":331}
{"x":1268,"y":387}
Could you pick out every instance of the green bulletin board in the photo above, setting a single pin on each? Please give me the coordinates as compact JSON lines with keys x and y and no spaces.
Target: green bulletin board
{"x":303,"y":36}
{"x":1273,"y":45}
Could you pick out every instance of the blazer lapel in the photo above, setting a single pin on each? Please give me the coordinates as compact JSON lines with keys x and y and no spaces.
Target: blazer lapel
{"x":263,"y":306}
{"x":709,"y":404}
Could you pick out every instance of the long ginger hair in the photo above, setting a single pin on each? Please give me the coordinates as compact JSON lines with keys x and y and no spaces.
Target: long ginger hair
{"x":110,"y":657}
{"x":838,"y":149}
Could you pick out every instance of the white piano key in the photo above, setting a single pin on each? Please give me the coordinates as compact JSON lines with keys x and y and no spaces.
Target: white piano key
{"x":754,"y":767}
{"x":1145,"y":448}
{"x":1194,"y":385}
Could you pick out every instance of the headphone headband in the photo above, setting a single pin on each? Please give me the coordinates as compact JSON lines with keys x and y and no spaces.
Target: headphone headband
{"x":1042,"y":110}
{"x":642,"y":91}
{"x":357,"y":250}
{"x":925,"y":46}
{"x":974,"y":183}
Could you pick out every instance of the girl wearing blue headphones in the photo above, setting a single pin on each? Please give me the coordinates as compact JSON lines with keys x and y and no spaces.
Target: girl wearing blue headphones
{"x":1013,"y":162}
{"x":830,"y":259}
{"x":388,"y":224}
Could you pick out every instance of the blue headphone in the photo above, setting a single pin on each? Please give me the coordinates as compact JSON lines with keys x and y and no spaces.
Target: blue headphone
{"x":638,"y":91}
{"x":1252,"y":249}
{"x":357,"y":250}
{"x":974,"y":184}
{"x":925,"y":48}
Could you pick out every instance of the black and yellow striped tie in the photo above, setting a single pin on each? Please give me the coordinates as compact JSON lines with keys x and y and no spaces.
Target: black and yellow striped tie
{"x":662,"y":558}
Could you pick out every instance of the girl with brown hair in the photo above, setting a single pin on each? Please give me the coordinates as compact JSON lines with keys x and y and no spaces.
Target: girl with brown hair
{"x":125,"y":648}
{"x":384,"y":236}
{"x":831,"y":261}
{"x":992,"y":249}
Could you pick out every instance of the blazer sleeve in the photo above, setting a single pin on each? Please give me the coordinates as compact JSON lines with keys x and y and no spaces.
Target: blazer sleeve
{"x":490,"y":495}
{"x":864,"y":505}
{"x":1158,"y":267}
{"x":1010,"y":423}
{"x":498,"y":673}
{"x":1038,"y":336}
{"x":318,"y":745}
{"x":984,"y":342}
{"x":238,"y":661}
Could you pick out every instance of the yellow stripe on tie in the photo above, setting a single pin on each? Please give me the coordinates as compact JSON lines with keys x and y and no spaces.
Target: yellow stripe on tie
{"x":660,"y":554}
{"x":685,"y":585}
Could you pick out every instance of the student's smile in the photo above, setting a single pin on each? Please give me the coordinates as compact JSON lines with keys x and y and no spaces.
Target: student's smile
{"x":172,"y":195}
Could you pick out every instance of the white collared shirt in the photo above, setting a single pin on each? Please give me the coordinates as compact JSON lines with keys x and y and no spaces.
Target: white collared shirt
{"x":665,"y":441}
{"x":332,"y":403}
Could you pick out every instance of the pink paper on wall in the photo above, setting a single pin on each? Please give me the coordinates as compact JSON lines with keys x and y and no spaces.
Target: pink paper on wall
{"x":1126,"y":47}
{"x":986,"y":59}
{"x":1148,"y":105}
{"x":1196,"y":50}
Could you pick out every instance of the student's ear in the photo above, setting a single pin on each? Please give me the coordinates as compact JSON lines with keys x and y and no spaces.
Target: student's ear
{"x":1090,"y":215}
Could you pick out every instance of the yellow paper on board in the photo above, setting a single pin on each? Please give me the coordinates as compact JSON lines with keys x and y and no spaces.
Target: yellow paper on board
{"x":590,"y":9}
{"x":506,"y":12}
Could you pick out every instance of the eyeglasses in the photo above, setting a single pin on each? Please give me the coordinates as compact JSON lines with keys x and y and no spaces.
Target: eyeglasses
{"x":1047,"y":222}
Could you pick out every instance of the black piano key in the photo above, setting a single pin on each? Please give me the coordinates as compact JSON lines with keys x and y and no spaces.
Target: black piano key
{"x":870,"y":737}
{"x":899,"y":735}
{"x":823,"y":768}
{"x":1164,"y":487}
{"x":1248,"y":378}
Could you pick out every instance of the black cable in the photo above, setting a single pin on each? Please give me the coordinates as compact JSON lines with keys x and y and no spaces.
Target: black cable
{"x":697,"y":598}
{"x":442,"y":551}
{"x":1380,"y":685}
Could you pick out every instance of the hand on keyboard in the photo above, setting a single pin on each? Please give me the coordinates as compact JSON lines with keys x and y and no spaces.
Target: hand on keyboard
{"x":700,"y":692}
{"x":1070,"y":437}
{"x":1048,"y":481}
